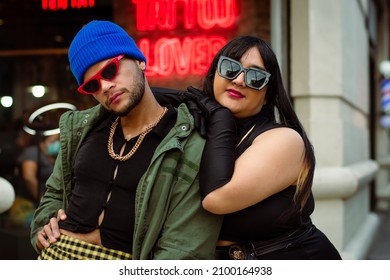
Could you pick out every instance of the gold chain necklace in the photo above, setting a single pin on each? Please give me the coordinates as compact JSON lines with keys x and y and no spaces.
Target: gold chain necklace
{"x":110,"y":145}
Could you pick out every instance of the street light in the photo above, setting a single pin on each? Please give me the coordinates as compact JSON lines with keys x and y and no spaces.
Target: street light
{"x":38,"y":91}
{"x":7,"y":196}
{"x":6,"y":101}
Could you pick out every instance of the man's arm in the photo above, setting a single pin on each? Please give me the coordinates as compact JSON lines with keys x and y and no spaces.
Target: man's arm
{"x":189,"y":232}
{"x":50,"y":232}
{"x":50,"y":203}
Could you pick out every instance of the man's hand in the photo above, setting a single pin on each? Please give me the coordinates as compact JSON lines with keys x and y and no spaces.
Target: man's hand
{"x":50,"y":232}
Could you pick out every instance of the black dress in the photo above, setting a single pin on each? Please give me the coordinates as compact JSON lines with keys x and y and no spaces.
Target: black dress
{"x":268,"y":229}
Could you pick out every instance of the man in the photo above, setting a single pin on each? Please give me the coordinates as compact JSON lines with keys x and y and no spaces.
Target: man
{"x":127,"y":172}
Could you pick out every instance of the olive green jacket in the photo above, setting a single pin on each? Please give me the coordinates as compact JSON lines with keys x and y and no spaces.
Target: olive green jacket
{"x":170,"y":222}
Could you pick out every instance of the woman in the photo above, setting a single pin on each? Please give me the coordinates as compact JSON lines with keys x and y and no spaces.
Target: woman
{"x":263,"y":184}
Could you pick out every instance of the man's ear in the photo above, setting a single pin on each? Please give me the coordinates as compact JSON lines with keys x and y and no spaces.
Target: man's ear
{"x":142,"y":65}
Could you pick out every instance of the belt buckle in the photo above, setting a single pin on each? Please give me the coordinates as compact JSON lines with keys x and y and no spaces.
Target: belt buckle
{"x":236,"y":252}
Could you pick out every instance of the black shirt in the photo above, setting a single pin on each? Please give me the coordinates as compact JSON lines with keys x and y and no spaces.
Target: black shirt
{"x":93,"y":182}
{"x":271,"y":217}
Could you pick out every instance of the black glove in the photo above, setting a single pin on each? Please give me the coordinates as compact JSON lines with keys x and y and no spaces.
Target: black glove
{"x":193,"y":100}
{"x":213,"y":122}
{"x":174,"y":97}
{"x":202,"y":107}
{"x":205,"y":103}
{"x":218,"y":156}
{"x":168,"y":96}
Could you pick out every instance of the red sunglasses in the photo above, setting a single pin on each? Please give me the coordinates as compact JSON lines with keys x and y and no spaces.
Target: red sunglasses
{"x":108,"y":73}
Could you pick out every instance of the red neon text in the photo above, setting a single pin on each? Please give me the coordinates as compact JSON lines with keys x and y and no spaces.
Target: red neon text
{"x":162,"y":14}
{"x":191,"y":55}
{"x":64,"y":4}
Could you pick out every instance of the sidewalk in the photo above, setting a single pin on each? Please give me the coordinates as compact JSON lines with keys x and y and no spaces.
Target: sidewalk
{"x":380,"y":249}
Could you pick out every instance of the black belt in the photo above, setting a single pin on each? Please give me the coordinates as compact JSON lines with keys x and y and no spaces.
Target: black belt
{"x":251,"y":250}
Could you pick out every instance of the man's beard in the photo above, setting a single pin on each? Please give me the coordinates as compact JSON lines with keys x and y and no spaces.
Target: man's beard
{"x":136,"y":95}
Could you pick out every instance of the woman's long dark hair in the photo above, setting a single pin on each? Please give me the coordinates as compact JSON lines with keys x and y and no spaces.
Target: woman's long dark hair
{"x":276,"y":97}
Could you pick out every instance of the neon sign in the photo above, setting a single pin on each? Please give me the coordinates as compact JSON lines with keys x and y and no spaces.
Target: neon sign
{"x":177,"y":36}
{"x":162,"y":14}
{"x":64,"y":4}
{"x":188,"y":55}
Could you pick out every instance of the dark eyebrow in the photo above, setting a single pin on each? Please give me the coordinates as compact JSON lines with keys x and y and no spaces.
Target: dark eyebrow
{"x":257,"y":67}
{"x":251,"y":66}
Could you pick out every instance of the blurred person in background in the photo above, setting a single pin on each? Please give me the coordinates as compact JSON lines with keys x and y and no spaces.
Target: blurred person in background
{"x":36,"y":165}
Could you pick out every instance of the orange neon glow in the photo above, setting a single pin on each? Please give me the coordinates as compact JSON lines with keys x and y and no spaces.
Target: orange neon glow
{"x":64,"y":4}
{"x":162,"y":14}
{"x":189,"y":55}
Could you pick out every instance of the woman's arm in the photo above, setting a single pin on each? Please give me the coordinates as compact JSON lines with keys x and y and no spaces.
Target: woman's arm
{"x":269,"y":165}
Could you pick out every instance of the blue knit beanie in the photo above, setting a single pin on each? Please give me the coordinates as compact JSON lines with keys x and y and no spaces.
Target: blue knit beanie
{"x":97,"y":41}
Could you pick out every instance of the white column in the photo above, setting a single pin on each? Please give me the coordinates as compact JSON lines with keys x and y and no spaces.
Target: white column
{"x":330,"y":89}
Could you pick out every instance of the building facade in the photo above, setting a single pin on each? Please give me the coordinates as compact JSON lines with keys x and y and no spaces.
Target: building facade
{"x":329,"y":52}
{"x":336,"y":47}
